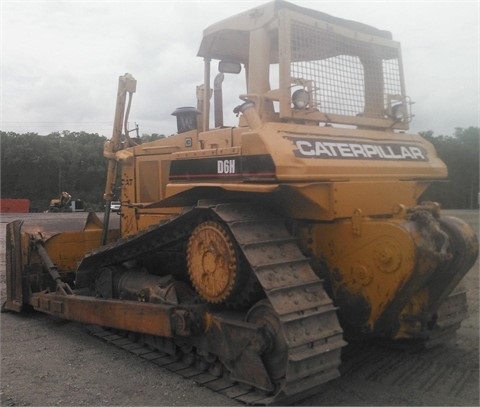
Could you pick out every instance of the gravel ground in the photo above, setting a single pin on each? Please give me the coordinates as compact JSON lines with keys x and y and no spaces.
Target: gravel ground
{"x":49,"y":361}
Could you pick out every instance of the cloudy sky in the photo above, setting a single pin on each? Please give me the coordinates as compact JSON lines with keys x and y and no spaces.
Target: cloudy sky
{"x":60,"y":60}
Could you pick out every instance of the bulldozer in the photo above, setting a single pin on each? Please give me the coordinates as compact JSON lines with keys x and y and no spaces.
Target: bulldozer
{"x":64,"y":203}
{"x":256,"y":252}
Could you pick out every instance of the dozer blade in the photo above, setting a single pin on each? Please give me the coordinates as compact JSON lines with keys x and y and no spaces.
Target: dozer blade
{"x":66,"y":238}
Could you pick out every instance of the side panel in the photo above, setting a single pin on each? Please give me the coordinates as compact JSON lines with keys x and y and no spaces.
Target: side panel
{"x":148,"y":181}
{"x":308,"y":153}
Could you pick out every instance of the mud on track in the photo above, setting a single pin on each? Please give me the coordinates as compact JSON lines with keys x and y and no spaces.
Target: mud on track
{"x":48,"y":361}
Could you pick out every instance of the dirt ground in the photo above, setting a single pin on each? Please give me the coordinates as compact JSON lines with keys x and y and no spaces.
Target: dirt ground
{"x":48,"y":361}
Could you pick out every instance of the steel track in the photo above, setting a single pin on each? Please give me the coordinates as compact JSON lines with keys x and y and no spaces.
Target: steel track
{"x":198,"y":374}
{"x":307,"y":317}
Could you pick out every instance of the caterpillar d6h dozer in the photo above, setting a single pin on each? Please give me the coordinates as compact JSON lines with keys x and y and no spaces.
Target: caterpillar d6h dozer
{"x":258,"y":250}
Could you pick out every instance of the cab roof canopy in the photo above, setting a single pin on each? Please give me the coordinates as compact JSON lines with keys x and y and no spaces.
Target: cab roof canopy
{"x":229,"y":39}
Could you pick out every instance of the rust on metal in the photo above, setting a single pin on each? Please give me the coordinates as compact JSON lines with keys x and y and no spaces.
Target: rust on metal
{"x":153,"y":319}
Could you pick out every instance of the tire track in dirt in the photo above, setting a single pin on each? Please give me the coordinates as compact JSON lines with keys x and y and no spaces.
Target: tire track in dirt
{"x":437,"y":370}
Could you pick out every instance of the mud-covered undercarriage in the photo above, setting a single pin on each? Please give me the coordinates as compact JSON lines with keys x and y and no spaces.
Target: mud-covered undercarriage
{"x":252,"y":311}
{"x":279,"y":333}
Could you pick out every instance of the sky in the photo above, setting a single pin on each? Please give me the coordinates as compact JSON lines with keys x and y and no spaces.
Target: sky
{"x":60,"y":60}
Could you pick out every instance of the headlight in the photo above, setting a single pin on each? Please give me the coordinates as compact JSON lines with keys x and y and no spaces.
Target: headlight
{"x":397,"y":111}
{"x":300,"y":99}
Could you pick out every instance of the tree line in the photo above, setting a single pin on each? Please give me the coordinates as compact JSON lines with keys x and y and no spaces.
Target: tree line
{"x":39,"y":168}
{"x":460,"y":153}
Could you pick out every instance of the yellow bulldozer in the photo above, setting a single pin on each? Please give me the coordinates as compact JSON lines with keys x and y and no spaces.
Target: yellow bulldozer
{"x":256,"y":252}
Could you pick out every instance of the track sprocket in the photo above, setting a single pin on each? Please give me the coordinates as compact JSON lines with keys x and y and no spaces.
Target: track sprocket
{"x":212,"y":261}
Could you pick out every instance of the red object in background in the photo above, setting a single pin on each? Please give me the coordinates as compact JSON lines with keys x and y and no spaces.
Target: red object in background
{"x":14,"y":205}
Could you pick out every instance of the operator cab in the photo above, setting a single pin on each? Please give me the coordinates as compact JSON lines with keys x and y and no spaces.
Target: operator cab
{"x":304,"y":66}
